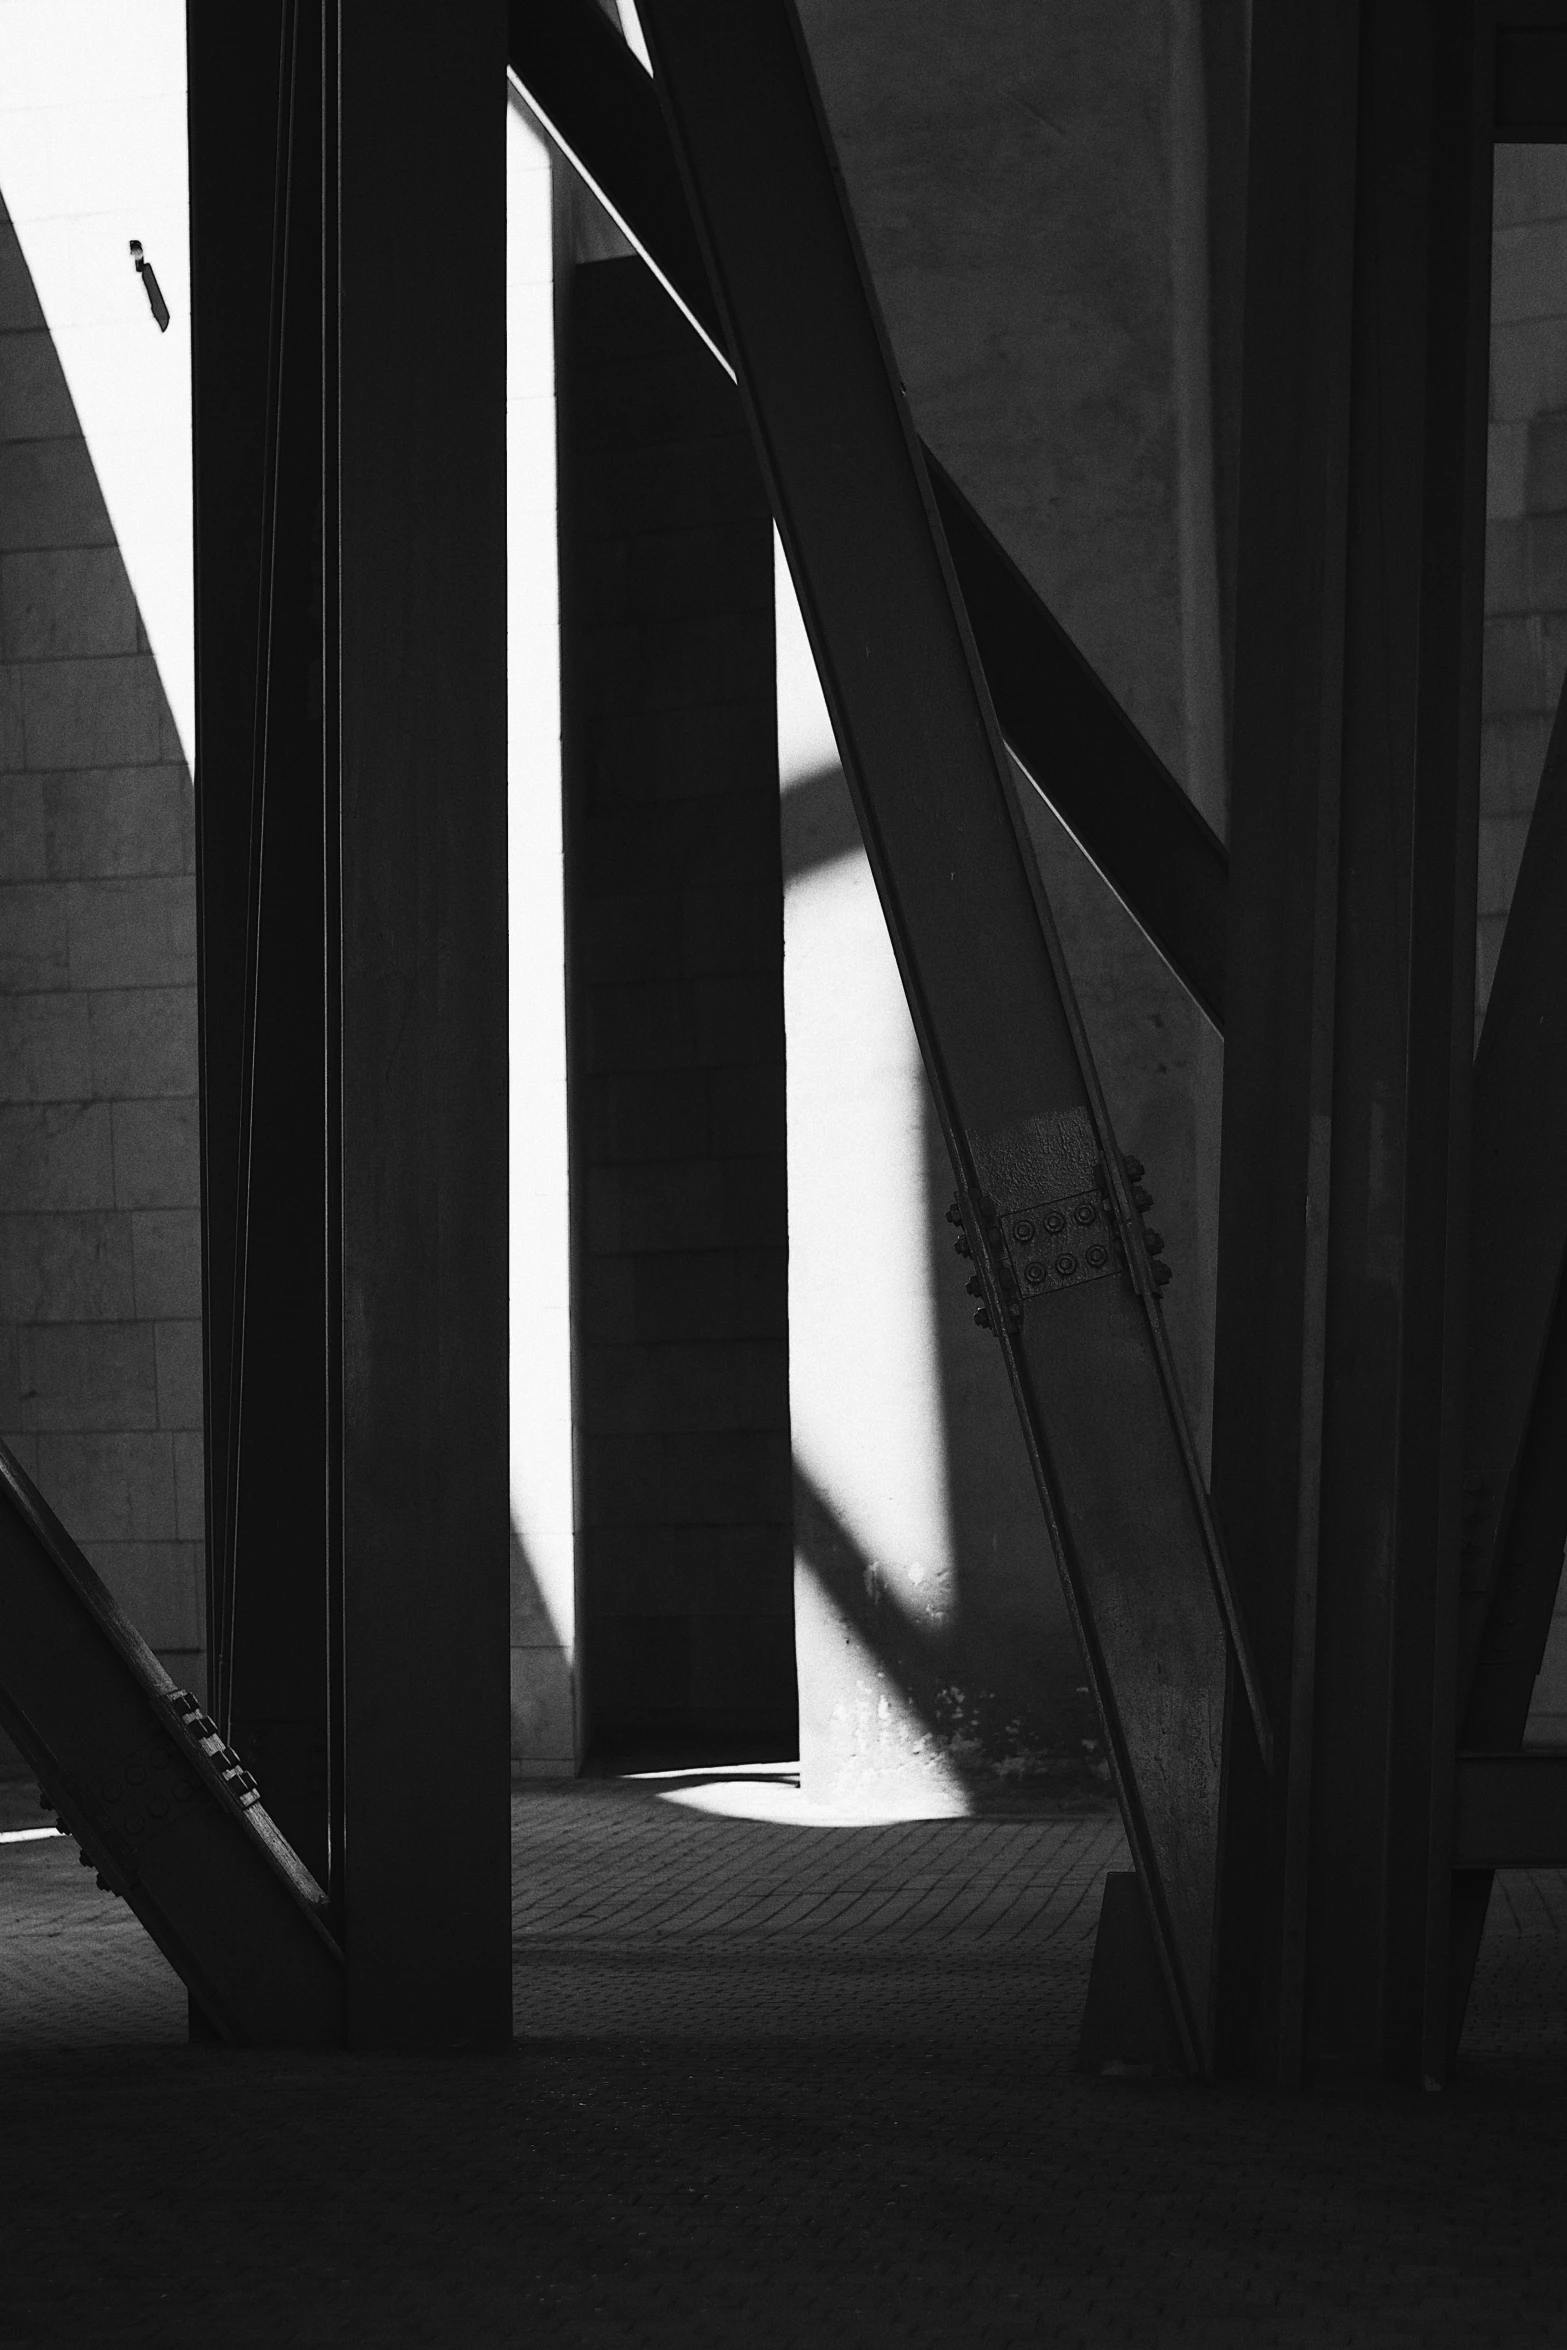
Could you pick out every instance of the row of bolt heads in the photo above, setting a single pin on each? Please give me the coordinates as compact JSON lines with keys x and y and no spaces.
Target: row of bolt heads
{"x":1097,"y":1256}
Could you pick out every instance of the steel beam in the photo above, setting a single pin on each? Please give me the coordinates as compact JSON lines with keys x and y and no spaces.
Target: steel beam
{"x":1520,"y":1149}
{"x":414,"y":629}
{"x":143,"y":1781}
{"x":1515,"y":1462}
{"x":1071,"y":737}
{"x":352,"y":789}
{"x":1048,"y":1210}
{"x":256,"y":165}
{"x":1344,"y":1209}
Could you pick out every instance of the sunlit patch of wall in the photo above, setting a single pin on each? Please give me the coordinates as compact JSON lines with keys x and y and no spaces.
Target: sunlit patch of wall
{"x":543,"y":1602}
{"x":100,"y":1257}
{"x":93,"y":154}
{"x":936,"y":1660}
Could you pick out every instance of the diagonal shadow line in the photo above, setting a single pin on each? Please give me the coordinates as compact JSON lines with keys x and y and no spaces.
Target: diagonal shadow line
{"x":816,"y":822}
{"x":916,"y":1658}
{"x":1073,"y":741}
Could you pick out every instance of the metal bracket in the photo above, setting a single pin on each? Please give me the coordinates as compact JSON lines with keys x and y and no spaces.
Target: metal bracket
{"x":1039,"y":1247}
{"x":1062,"y":1243}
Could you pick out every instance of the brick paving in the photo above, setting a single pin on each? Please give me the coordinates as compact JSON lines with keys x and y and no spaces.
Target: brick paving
{"x":774,"y":2083}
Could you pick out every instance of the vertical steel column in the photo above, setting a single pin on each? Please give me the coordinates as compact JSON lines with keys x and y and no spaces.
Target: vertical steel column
{"x":416,"y":724}
{"x":1344,"y":1216}
{"x":256,"y":211}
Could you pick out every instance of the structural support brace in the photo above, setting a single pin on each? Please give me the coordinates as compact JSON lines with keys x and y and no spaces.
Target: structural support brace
{"x":1070,"y":736}
{"x":142,"y":1780}
{"x":1004,"y":1047}
{"x":1515,"y":1464}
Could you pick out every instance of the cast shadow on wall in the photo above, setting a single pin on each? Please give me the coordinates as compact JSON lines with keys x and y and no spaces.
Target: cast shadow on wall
{"x":100,"y":1244}
{"x":992,"y":1675}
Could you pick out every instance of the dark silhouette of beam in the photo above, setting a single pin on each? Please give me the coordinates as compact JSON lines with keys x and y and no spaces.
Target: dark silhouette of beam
{"x":140,"y":1777}
{"x":1025,"y":1122}
{"x":1068,"y":733}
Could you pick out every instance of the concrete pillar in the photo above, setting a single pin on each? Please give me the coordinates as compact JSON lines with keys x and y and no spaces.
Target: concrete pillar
{"x":675,"y":954}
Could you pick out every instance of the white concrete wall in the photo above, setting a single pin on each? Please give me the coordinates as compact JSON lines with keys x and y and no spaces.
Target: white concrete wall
{"x":100,"y":1257}
{"x":544,"y":1733}
{"x":865,"y":1380}
{"x":93,"y":153}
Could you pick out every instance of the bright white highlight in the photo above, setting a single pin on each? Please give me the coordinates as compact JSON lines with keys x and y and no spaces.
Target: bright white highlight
{"x":92,"y":154}
{"x":541,"y":1486}
{"x":864,"y":1372}
{"x":865,"y":1385}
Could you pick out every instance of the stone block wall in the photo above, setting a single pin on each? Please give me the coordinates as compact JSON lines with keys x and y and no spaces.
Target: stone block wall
{"x":100,"y":1248}
{"x":675,"y":958}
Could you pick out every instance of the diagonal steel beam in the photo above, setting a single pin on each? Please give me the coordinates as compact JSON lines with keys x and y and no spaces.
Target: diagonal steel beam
{"x":1520,"y":1150}
{"x":1078,"y":748}
{"x":1048,"y":1209}
{"x":1515,"y":1456}
{"x":141,"y":1778}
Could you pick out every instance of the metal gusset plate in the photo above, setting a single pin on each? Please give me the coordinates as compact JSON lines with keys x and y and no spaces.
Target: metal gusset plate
{"x":1077,"y":746}
{"x":140,"y":1777}
{"x":1024,"y":1118}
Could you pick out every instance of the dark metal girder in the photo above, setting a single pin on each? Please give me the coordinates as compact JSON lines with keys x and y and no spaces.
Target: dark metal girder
{"x":141,"y":1779}
{"x":255,"y":141}
{"x":1512,"y":1637}
{"x":1071,"y":737}
{"x":1009,"y":1066}
{"x":1520,"y":1149}
{"x":1514,"y":1459}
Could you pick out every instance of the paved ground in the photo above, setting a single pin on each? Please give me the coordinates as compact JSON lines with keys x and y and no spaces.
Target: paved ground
{"x":775,"y":2083}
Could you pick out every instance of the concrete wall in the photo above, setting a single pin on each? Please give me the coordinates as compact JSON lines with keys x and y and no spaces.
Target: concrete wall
{"x":543,"y":1527}
{"x":1525,"y":592}
{"x":99,"y":1185}
{"x":100,"y":1387}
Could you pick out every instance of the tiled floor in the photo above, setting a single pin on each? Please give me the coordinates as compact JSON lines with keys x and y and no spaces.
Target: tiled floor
{"x":775,"y":2083}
